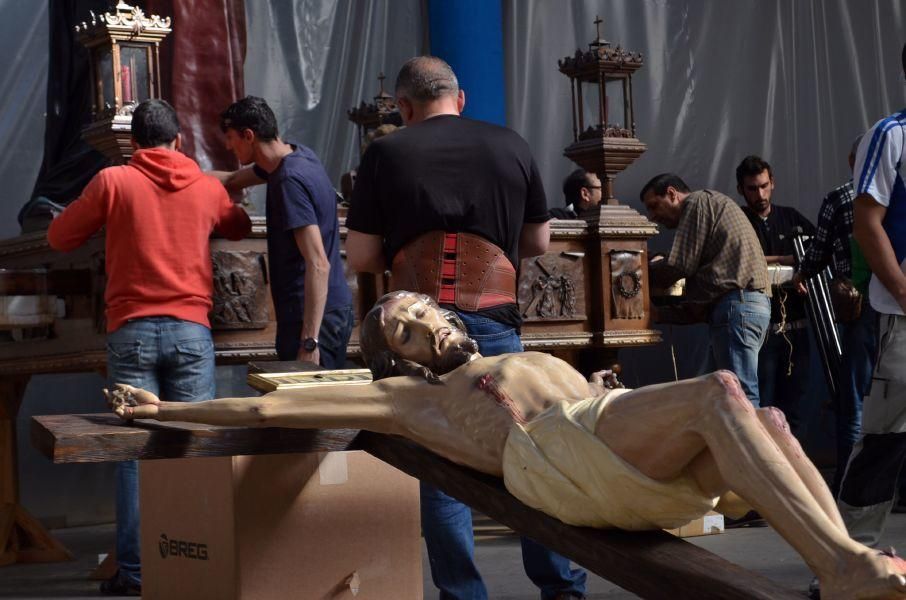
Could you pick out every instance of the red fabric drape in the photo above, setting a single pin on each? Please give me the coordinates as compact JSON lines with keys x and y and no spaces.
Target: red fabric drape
{"x":202,"y":70}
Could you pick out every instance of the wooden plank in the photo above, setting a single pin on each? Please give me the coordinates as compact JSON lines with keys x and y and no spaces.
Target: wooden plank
{"x":8,"y":481}
{"x":106,"y":569}
{"x":105,"y":438}
{"x":8,"y":546}
{"x":11,"y":392}
{"x":652,"y":564}
{"x":58,"y":282}
{"x":36,"y":545}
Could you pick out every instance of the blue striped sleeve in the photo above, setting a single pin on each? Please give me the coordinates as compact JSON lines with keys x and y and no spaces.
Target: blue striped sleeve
{"x":878,"y":158}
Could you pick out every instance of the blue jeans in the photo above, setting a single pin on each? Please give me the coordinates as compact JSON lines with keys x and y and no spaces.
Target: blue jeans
{"x":175,"y":360}
{"x":333,"y":336}
{"x":739,"y":322}
{"x":860,"y":350}
{"x":447,"y":523}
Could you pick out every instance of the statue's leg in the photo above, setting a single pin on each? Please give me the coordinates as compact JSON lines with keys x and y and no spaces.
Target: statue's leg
{"x":777,"y":427}
{"x":705,"y":469}
{"x":662,"y":430}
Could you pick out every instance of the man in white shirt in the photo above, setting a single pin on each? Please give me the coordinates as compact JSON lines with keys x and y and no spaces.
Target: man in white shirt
{"x":869,"y":485}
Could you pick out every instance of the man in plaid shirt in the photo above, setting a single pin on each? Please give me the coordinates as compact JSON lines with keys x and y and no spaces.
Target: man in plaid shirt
{"x":718,"y":253}
{"x":833,"y":244}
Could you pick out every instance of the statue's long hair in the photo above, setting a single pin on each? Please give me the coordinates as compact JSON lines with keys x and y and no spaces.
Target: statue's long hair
{"x":378,"y":356}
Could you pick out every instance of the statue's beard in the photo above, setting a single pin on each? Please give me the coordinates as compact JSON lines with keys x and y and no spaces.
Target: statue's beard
{"x":455,"y":355}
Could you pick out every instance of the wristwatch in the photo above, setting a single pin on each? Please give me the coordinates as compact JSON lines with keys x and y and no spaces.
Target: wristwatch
{"x":310,"y":344}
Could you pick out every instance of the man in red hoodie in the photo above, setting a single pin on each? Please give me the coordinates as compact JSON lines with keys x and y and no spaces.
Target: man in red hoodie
{"x":159,"y":211}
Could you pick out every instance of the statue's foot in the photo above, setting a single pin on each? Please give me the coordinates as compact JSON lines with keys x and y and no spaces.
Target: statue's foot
{"x":872,"y":575}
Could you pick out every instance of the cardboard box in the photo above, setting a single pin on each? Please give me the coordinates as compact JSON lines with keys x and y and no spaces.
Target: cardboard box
{"x":709,"y":524}
{"x":338,"y":525}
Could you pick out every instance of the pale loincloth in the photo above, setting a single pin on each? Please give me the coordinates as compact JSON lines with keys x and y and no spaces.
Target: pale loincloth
{"x":556,"y":464}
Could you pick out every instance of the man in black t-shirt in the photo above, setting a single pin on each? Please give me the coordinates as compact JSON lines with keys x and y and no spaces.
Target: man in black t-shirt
{"x":428,"y":200}
{"x":783,"y":372}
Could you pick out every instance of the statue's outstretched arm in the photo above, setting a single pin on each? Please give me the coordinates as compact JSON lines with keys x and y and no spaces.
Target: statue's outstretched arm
{"x":338,"y":406}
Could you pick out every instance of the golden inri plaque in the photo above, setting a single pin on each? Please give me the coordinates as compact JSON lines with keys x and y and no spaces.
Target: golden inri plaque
{"x":269,"y":382}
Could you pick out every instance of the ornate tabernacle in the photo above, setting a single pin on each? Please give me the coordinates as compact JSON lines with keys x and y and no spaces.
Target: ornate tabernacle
{"x":615,"y":240}
{"x":381,"y":111}
{"x":605,"y":147}
{"x":125,"y":69}
{"x":372,"y":119}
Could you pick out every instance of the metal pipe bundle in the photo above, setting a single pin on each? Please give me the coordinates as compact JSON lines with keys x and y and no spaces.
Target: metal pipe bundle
{"x":821,"y":315}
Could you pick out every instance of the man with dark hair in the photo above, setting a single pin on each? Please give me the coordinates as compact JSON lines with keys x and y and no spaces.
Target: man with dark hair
{"x":870,"y":482}
{"x":462,"y":200}
{"x":159,"y":211}
{"x":311,"y":297}
{"x":833,"y":246}
{"x":716,"y":251}
{"x":586,"y":452}
{"x":783,"y":363}
{"x":582,"y":192}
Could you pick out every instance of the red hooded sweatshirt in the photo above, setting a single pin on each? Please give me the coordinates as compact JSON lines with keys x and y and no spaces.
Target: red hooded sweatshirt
{"x":159,"y":210}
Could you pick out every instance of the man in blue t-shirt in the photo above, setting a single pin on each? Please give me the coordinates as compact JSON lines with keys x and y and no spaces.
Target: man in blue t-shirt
{"x":311,"y":297}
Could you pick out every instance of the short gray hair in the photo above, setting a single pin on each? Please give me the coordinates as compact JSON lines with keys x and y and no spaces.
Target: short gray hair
{"x":426,"y":78}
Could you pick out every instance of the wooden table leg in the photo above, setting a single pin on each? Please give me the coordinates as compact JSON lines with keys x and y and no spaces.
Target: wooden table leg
{"x":22,"y":537}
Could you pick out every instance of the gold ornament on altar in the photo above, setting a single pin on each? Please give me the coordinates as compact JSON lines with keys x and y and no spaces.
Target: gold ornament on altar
{"x":609,"y":144}
{"x":123,"y":47}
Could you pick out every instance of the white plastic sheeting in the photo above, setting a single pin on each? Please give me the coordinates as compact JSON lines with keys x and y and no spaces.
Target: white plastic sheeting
{"x":313,"y":60}
{"x":24,"y":36}
{"x":794,"y":82}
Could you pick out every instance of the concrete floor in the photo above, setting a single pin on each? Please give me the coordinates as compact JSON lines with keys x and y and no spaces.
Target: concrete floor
{"x":498,"y":556}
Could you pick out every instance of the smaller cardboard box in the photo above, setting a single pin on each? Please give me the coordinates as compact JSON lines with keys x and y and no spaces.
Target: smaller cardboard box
{"x":709,"y":524}
{"x":337,"y":525}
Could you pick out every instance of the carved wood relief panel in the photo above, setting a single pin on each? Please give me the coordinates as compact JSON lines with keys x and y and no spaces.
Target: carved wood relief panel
{"x":552,"y":287}
{"x":628,"y":302}
{"x":240,"y":290}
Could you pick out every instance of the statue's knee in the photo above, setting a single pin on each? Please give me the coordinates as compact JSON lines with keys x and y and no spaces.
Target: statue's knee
{"x":727,"y":379}
{"x":773,"y":417}
{"x":730,"y":396}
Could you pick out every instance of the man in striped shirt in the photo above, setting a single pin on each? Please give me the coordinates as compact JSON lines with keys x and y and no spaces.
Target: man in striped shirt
{"x":833,"y":246}
{"x":869,"y":485}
